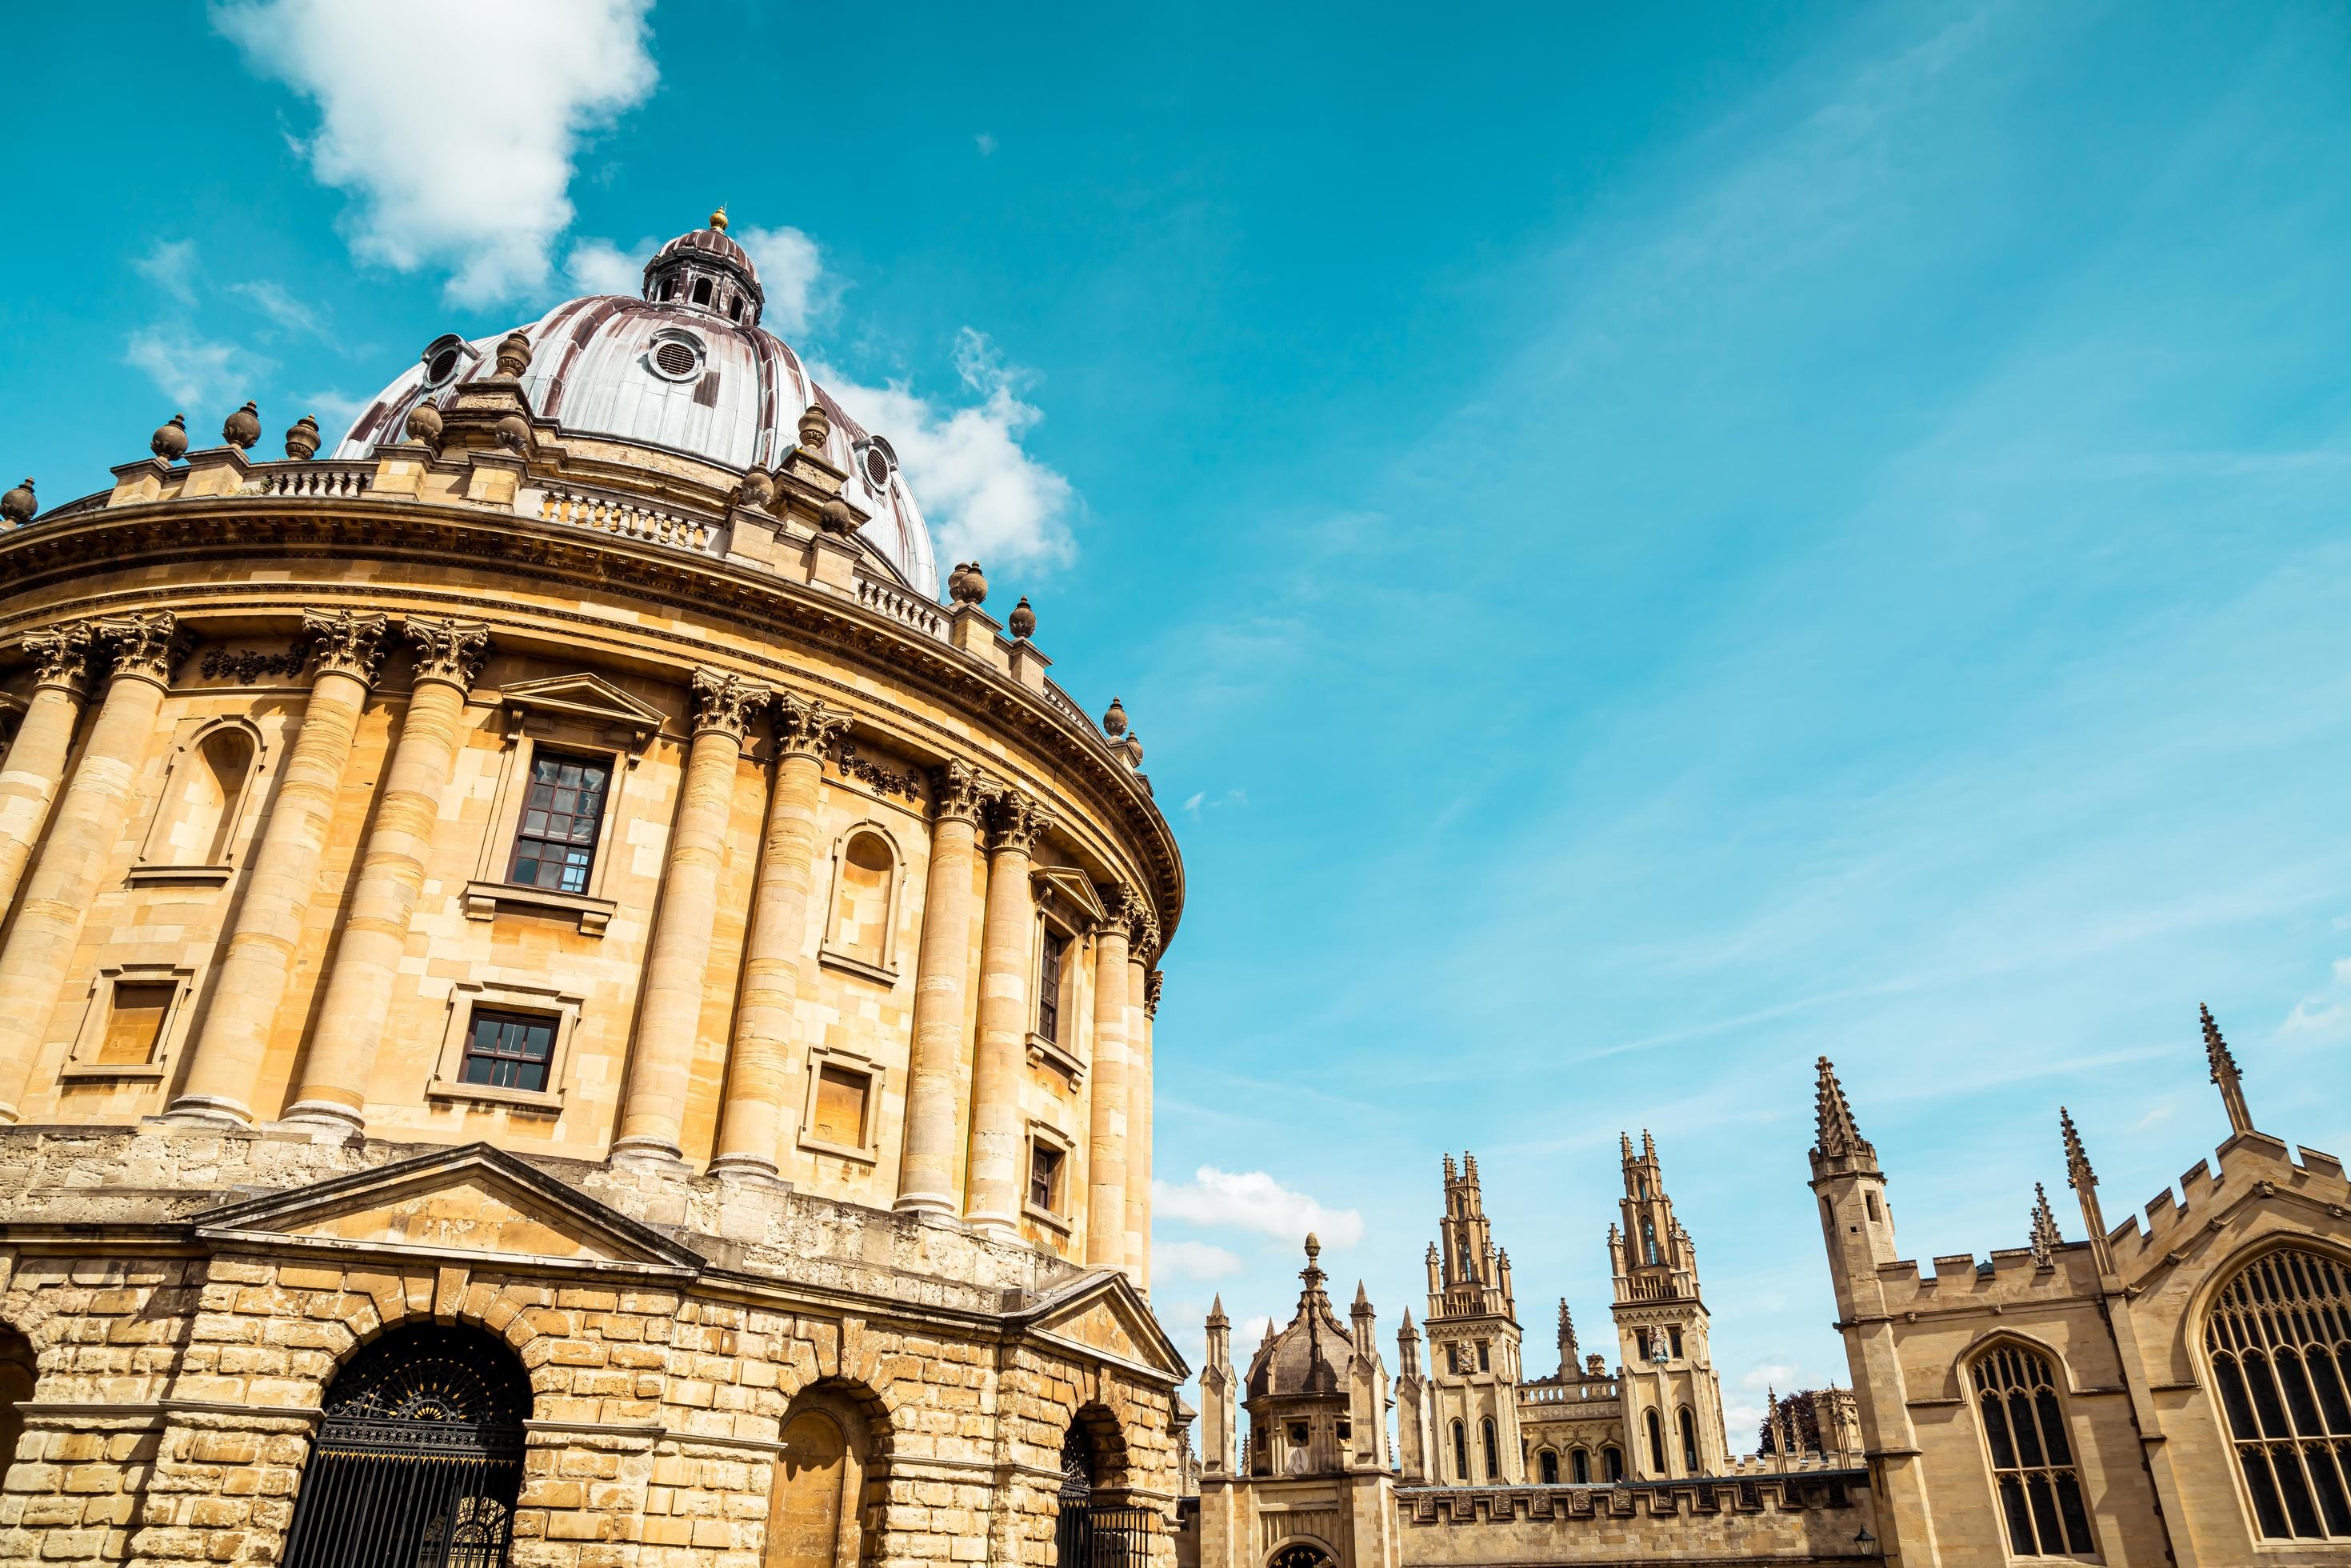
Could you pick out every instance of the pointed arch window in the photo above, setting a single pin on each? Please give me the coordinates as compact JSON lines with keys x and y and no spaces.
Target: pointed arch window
{"x":2032,"y":1454}
{"x":2280,"y":1340}
{"x":1579,"y":1467}
{"x":1547,"y":1466}
{"x":1657,"y":1443}
{"x":1493,"y":1450}
{"x":1460,"y":1451}
{"x":1649,"y":1241}
{"x":1611,"y":1462}
{"x":1689,"y":1440}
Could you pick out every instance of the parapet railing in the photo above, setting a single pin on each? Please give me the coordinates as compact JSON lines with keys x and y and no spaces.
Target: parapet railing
{"x":330,"y":478}
{"x":907,"y":609}
{"x":1565,"y":1393}
{"x":627,"y":516}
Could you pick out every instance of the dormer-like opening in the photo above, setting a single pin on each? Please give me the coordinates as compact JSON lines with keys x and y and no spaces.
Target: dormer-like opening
{"x":701,"y":291}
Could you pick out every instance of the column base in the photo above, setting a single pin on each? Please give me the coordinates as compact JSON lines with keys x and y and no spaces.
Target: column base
{"x":324,"y":1116}
{"x":996,"y":1228}
{"x":206,"y":1111}
{"x":925,"y":1204}
{"x":748,"y":1170}
{"x":656,"y":1155}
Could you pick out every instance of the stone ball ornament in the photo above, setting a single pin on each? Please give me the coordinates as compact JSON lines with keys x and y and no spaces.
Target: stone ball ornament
{"x":17,"y":505}
{"x":243,"y":428}
{"x":757,"y":490}
{"x":835,"y":517}
{"x":1023,"y":620}
{"x":972,"y":588}
{"x":170,"y":440}
{"x":302,"y":439}
{"x":1114,"y":720}
{"x":425,"y":425}
{"x":513,"y":432}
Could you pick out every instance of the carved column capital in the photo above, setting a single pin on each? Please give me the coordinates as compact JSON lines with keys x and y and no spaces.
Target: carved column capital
{"x":1150,"y":992}
{"x":449,"y":651}
{"x":1118,"y":911}
{"x":960,"y":793}
{"x":146,"y":647}
{"x":724,"y":701}
{"x":1019,"y":822}
{"x":806,"y":727}
{"x":61,"y":655}
{"x":346,"y":642}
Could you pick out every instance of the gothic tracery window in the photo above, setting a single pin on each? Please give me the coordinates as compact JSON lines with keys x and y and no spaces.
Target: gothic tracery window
{"x":2032,"y":1454}
{"x":2280,"y":1340}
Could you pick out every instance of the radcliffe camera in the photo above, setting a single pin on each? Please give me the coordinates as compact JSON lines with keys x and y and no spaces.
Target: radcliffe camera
{"x":790,"y":789}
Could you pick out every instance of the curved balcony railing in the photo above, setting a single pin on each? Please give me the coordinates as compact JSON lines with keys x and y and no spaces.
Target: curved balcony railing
{"x":609,"y":512}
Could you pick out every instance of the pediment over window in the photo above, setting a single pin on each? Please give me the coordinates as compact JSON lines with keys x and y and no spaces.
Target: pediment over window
{"x":1070,"y":892}
{"x":1101,"y":1314}
{"x":587,"y":699}
{"x":476,"y":1202}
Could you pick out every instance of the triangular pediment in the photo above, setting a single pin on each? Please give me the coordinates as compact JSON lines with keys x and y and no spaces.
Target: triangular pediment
{"x":1073,"y":886}
{"x":1102,"y":1313}
{"x":475,"y":1201}
{"x":586,"y":698}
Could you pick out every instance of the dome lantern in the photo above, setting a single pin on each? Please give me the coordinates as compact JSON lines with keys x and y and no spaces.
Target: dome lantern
{"x":705,"y":269}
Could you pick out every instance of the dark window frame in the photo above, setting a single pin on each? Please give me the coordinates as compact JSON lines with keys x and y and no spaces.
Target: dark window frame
{"x":553,"y":834}
{"x":508,"y":1045}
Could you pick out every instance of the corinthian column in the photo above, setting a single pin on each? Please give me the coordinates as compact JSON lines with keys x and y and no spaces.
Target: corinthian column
{"x":942,"y":982}
{"x":1141,"y":1002}
{"x":669,"y":1019}
{"x":358,"y":1003}
{"x":765,"y":1063}
{"x":84,"y":830}
{"x":345,"y":648}
{"x":1106,"y":1085}
{"x":992,"y":1179}
{"x":37,"y":758}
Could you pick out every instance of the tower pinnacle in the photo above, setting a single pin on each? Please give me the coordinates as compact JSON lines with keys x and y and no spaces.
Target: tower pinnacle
{"x":1836,"y":1137}
{"x":2046,"y":1238}
{"x":2224,"y":1073}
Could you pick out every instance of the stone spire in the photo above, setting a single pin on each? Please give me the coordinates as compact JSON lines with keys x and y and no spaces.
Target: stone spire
{"x":1569,"y":1355}
{"x":1837,"y":1142}
{"x":2045,"y":1237}
{"x":2224,"y":1074}
{"x":2085,"y":1183}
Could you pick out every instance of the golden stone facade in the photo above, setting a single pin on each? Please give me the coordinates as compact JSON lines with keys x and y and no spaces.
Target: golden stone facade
{"x":579,"y":898}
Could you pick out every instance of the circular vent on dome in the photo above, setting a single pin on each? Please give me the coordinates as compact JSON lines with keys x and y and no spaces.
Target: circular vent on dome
{"x":877,"y":468}
{"x":444,"y":358}
{"x":676,"y":358}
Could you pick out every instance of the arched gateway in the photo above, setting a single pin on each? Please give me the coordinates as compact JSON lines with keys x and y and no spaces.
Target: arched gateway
{"x":420,"y":1458}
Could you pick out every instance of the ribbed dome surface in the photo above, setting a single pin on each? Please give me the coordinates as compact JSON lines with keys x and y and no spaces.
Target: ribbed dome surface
{"x":677,"y":372}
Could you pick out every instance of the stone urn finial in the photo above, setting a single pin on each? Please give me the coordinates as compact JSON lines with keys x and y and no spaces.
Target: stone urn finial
{"x":514,"y":354}
{"x":424,"y":426}
{"x":243,"y":428}
{"x":170,"y":440}
{"x":758,"y":488}
{"x":816,"y":427}
{"x":302,"y":439}
{"x":972,"y":590}
{"x":19,"y":506}
{"x":1023,"y":620}
{"x":1115,"y":721}
{"x":835,"y":517}
{"x":956,"y":579}
{"x":513,"y":432}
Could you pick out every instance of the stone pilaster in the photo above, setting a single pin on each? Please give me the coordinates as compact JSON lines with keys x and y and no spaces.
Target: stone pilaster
{"x":37,"y":757}
{"x":358,"y":989}
{"x":1143,"y":983}
{"x":661,"y":1063}
{"x":82,"y":836}
{"x":993,"y":1173}
{"x":346,"y":646}
{"x":941,"y":983}
{"x":1107,"y":1130}
{"x":765,"y":1064}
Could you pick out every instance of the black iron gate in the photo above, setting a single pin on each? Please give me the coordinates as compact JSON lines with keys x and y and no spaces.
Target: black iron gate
{"x":1088,"y":1534}
{"x":420,"y":1459}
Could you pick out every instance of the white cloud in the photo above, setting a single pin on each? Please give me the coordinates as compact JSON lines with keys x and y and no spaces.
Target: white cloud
{"x":600,"y":267}
{"x":451,"y":166}
{"x":1252,"y":1200}
{"x":1193,"y":1260}
{"x":272,"y":301}
{"x":334,"y":410}
{"x":170,"y":266}
{"x":986,"y":143}
{"x":193,"y":372}
{"x":986,"y":498}
{"x":791,"y":272}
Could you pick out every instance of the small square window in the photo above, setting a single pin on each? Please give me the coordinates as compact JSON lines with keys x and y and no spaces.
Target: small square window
{"x":1045,"y":1177}
{"x":509,"y":1051}
{"x":134,"y":1024}
{"x":841,"y":1093}
{"x":555,"y":842}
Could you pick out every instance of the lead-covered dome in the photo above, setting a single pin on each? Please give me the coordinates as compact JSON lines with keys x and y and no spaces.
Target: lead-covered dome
{"x":688,"y":366}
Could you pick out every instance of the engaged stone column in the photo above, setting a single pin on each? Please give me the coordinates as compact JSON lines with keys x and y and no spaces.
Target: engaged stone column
{"x":993,"y":1176}
{"x":765,"y":1063}
{"x":346,"y":647}
{"x":1142,"y":1001}
{"x":84,"y":831}
{"x":358,"y":1003}
{"x":941,"y":983}
{"x":660,"y":1064}
{"x":37,"y":757}
{"x":1106,"y":1085}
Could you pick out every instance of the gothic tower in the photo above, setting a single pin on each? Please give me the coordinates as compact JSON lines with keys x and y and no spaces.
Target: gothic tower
{"x":1469,"y":1404}
{"x":1672,"y":1398}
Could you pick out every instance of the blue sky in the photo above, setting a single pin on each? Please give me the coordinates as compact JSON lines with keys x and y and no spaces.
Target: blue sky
{"x":1643,"y":547}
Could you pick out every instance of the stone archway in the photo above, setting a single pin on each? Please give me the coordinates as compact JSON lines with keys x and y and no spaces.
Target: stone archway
{"x":816,"y":1503}
{"x":19,"y":1373}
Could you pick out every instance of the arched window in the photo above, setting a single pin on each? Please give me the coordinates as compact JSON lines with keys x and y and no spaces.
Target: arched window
{"x":2032,"y":1454}
{"x":1611,"y":1462}
{"x":2280,"y":1338}
{"x":1657,"y":1443}
{"x":1579,"y":1467}
{"x":1460,"y":1452}
{"x":701,"y":291}
{"x":812,"y":1513}
{"x":1690,"y":1441}
{"x":1493,"y":1450}
{"x":1649,"y":1240}
{"x":197,"y":821}
{"x":17,"y":1375}
{"x":1546,"y":1467}
{"x":420,"y":1455}
{"x":864,"y":880}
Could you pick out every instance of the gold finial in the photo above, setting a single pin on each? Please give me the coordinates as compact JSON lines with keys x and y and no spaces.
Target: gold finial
{"x":718,"y":219}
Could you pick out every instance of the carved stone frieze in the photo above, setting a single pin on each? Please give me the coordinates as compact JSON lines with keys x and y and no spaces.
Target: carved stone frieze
{"x":877,"y":776}
{"x":246,"y":667}
{"x":449,"y":651}
{"x":345,"y":642}
{"x":61,"y":655}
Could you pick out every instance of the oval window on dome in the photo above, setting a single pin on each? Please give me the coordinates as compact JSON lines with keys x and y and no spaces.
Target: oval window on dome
{"x":879,"y":462}
{"x":678,"y":359}
{"x":443,"y":357}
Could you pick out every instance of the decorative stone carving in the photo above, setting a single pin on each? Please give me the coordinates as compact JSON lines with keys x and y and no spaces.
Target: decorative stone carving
{"x":816,"y":427}
{"x":973,"y":588}
{"x":170,"y":440}
{"x":1023,"y":621}
{"x":61,"y":655}
{"x":1151,"y":984}
{"x":959,"y":792}
{"x":1021,"y":821}
{"x":835,"y":517}
{"x":243,"y":428}
{"x":18,"y":505}
{"x":425,"y":425}
{"x":302,"y":439}
{"x":349,"y":641}
{"x":1142,"y":930}
{"x":805,"y":728}
{"x":875,"y":777}
{"x":146,"y":646}
{"x":758,"y":488}
{"x":449,"y":651}
{"x":246,"y":667}
{"x":1120,"y":902}
{"x":514,"y":354}
{"x":1114,"y":720}
{"x":728,"y":702}
{"x":513,"y":432}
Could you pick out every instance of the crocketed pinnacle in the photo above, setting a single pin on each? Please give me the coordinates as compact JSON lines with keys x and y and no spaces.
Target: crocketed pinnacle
{"x":1217,"y":1319}
{"x":2046,"y":1238}
{"x":2077,"y":1162}
{"x":1836,"y":1137}
{"x":2224,"y":1073}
